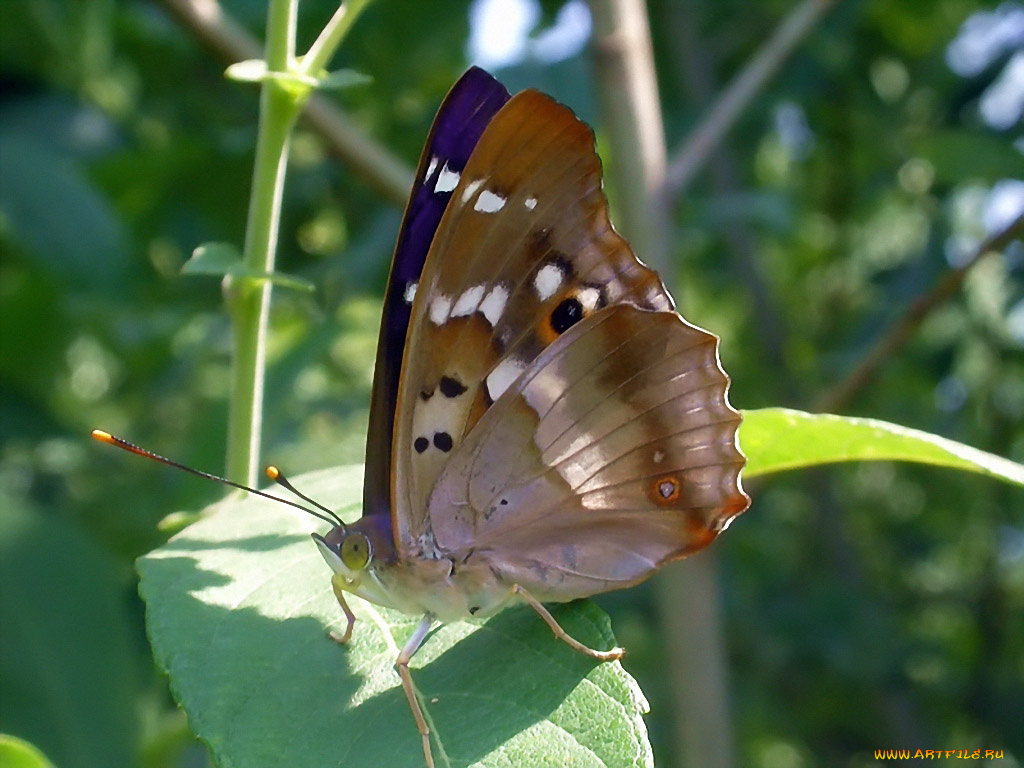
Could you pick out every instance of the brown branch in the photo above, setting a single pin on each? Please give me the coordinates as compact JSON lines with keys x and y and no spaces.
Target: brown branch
{"x":229,"y":41}
{"x":702,"y":140}
{"x":901,"y":330}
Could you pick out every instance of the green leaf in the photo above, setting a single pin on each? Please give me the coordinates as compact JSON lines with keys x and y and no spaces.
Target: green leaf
{"x":248,"y":71}
{"x":958,"y":155}
{"x":15,"y":753}
{"x":255,"y":71}
{"x":68,"y":653}
{"x":239,"y":606}
{"x":777,"y":439}
{"x":298,"y":84}
{"x":67,"y":226}
{"x":213,"y":259}
{"x":342,"y":78}
{"x":223,"y":259}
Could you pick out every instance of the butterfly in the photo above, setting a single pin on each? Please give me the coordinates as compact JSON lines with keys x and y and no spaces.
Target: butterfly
{"x":543,"y":425}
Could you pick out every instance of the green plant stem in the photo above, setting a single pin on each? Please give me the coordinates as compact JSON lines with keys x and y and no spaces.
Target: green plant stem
{"x":323,"y":48}
{"x":249,"y":300}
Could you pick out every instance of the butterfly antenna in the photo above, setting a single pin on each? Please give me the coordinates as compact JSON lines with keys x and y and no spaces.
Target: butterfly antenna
{"x":278,"y":477}
{"x":109,"y":439}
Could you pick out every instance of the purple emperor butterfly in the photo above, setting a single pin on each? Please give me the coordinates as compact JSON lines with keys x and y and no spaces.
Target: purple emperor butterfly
{"x":544,"y":426}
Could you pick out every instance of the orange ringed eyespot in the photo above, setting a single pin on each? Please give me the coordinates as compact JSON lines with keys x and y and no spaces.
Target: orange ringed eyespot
{"x":666,"y":489}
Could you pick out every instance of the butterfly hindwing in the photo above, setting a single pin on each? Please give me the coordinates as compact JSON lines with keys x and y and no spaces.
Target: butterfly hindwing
{"x":524,"y":251}
{"x":614,"y":452}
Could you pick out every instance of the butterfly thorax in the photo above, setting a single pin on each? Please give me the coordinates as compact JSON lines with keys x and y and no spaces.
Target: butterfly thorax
{"x":449,"y":588}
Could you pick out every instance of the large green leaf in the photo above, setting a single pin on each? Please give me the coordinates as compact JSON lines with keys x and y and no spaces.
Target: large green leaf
{"x":239,"y":606}
{"x":777,"y":439}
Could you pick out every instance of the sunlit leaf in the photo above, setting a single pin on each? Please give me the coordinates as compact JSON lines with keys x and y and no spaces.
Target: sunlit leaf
{"x":248,"y":71}
{"x":255,"y":71}
{"x":239,"y":606}
{"x":777,"y":439}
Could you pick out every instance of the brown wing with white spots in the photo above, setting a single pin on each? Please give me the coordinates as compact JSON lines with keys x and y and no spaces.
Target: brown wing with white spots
{"x":524,"y":251}
{"x":614,"y":452}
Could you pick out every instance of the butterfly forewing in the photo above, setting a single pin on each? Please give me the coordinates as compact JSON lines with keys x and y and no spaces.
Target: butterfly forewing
{"x":614,"y":452}
{"x":524,"y":251}
{"x":459,"y":123}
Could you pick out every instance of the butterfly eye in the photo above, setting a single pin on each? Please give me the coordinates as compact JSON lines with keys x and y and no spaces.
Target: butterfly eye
{"x":355,"y":551}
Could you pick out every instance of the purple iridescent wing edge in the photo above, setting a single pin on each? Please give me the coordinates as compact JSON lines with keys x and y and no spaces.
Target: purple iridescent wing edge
{"x":458,"y":125}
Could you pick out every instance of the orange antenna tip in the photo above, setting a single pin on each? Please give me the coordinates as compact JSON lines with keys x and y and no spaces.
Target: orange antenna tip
{"x":103,"y":437}
{"x":272,"y":472}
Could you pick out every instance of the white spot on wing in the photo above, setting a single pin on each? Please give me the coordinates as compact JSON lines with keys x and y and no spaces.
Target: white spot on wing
{"x":547,"y":281}
{"x":471,"y":189}
{"x":439,"y":309}
{"x":659,"y":456}
{"x":410,"y":292}
{"x":447,"y":179}
{"x":493,"y":305}
{"x":501,"y":378}
{"x":431,"y":168}
{"x":468,"y":301}
{"x":489,"y":202}
{"x":589,"y":297}
{"x":530,"y":202}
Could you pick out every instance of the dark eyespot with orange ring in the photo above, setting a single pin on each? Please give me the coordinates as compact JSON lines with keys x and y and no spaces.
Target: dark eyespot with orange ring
{"x":566,"y":315}
{"x":666,"y":489}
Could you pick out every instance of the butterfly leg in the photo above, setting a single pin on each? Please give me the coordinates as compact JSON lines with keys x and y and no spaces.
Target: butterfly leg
{"x":402,"y":664}
{"x":561,"y":634}
{"x":349,"y":616}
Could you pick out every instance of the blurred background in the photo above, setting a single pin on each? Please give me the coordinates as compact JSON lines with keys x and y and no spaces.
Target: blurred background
{"x":863,"y":607}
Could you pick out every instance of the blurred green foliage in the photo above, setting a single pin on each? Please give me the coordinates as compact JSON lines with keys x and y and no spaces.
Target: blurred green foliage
{"x":866,"y":606}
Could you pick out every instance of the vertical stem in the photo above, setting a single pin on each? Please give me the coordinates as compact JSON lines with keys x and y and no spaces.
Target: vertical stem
{"x":249,"y":301}
{"x":687,"y":592}
{"x":688,"y":598}
{"x":631,"y":113}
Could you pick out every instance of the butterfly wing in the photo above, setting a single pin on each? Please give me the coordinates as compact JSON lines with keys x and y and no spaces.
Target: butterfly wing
{"x":459,"y":123}
{"x":523,"y":252}
{"x":614,"y":452}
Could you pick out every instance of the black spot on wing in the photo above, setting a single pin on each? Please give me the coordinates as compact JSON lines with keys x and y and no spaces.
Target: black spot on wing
{"x":566,"y":315}
{"x":420,"y":444}
{"x":443,"y":441}
{"x":451,"y":387}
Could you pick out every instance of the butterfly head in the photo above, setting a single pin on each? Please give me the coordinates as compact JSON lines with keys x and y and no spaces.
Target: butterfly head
{"x":352,"y":550}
